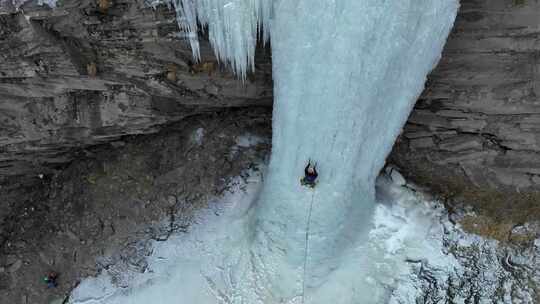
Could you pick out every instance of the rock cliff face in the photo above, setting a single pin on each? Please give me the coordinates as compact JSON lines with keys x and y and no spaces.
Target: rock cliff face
{"x":478,"y":120}
{"x":101,"y":212}
{"x":79,"y":75}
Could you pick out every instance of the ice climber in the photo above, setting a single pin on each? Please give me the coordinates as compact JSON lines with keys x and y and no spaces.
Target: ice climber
{"x":50,"y":279}
{"x":310,"y":176}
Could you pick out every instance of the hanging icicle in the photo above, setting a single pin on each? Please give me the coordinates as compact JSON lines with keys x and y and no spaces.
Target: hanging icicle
{"x":234,"y":27}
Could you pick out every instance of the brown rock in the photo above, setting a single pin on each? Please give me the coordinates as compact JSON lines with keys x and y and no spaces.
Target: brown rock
{"x":104,"y":5}
{"x":171,"y":73}
{"x":91,"y":69}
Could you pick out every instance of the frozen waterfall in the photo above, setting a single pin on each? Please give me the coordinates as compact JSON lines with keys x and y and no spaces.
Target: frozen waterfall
{"x":346,"y":74}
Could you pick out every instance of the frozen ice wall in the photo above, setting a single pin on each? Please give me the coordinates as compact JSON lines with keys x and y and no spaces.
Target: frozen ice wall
{"x":346,"y":76}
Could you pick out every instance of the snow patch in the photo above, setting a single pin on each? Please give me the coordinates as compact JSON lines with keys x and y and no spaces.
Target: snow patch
{"x":249,"y":140}
{"x":245,"y":142}
{"x":198,"y":136}
{"x":19,"y":3}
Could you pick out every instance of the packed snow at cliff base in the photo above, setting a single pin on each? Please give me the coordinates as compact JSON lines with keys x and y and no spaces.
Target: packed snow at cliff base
{"x":419,"y":256}
{"x":346,"y":75}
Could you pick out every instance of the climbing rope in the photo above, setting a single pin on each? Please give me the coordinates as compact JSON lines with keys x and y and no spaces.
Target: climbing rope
{"x":307,"y":247}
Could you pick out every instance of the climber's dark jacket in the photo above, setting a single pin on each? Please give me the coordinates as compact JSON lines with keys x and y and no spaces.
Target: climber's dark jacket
{"x":310,"y":177}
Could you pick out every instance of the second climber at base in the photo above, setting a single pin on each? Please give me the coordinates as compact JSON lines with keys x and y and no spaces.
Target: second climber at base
{"x":310,"y":175}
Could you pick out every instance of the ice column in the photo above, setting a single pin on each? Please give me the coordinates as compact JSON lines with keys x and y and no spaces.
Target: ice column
{"x":346,"y":76}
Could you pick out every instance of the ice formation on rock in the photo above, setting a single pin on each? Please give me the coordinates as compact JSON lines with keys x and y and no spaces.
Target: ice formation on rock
{"x":234,"y":27}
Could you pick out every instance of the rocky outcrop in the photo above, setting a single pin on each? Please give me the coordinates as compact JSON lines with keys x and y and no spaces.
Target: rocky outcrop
{"x":81,"y":75}
{"x":478,"y":120}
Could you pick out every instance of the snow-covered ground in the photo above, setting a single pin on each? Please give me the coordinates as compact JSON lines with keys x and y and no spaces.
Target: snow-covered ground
{"x":414,"y":255}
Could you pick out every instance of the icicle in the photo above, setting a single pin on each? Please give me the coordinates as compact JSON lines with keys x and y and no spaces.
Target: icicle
{"x":234,"y":27}
{"x":51,"y":3}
